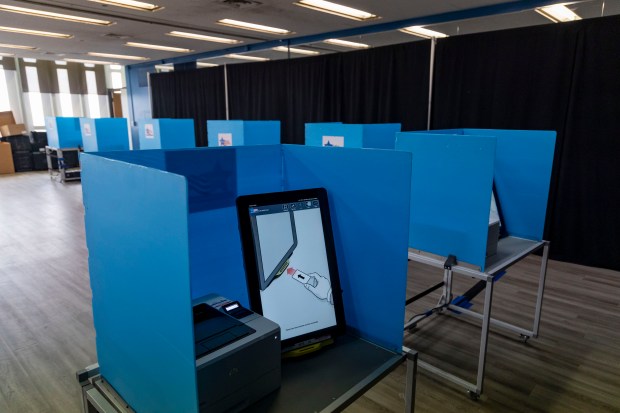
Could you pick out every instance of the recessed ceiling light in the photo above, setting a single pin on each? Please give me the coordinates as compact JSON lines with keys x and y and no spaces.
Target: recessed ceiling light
{"x":94,"y":62}
{"x":252,"y":26}
{"x":130,"y":4}
{"x":6,"y":54}
{"x":205,"y":64}
{"x":295,"y":50}
{"x":422,"y":32}
{"x":117,"y":56}
{"x":17,"y":46}
{"x":158,"y":47}
{"x":116,"y":67}
{"x":245,"y":57}
{"x":35,"y":32}
{"x":337,"y":9}
{"x":558,"y":13}
{"x":203,"y":37}
{"x":345,"y":43}
{"x":56,"y":16}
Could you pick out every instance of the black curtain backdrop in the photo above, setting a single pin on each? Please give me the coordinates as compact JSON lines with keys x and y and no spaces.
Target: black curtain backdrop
{"x":562,"y":77}
{"x":197,"y":94}
{"x":386,"y":84}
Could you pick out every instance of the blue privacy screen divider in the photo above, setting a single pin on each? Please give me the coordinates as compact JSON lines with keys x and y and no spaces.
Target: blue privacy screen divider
{"x":452,"y":181}
{"x":373,"y":135}
{"x":138,"y":240}
{"x":166,"y":133}
{"x":370,"y":212}
{"x":63,"y":132}
{"x":522,"y":176}
{"x":104,"y":134}
{"x":243,"y":132}
{"x":162,"y":229}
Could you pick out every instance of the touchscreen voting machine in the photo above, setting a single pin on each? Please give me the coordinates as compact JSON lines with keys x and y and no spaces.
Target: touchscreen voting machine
{"x":290,"y":263}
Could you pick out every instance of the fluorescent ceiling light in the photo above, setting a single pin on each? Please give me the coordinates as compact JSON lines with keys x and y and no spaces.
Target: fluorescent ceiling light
{"x":205,"y":64}
{"x":94,"y":62}
{"x":422,"y":32}
{"x":56,"y":16}
{"x":295,"y":50}
{"x":558,"y":13}
{"x":158,"y":47}
{"x":251,"y":26}
{"x":116,"y":67}
{"x":34,"y":32}
{"x":337,"y":9}
{"x":6,"y":54}
{"x":345,"y":43}
{"x":203,"y":37}
{"x":17,"y":46}
{"x":130,"y":4}
{"x":117,"y":56}
{"x":244,"y":57}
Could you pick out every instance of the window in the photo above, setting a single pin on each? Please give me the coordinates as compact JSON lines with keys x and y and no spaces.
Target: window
{"x":117,"y":80}
{"x":4,"y":92}
{"x":93,"y":97}
{"x":66,"y":105}
{"x":34,"y":96}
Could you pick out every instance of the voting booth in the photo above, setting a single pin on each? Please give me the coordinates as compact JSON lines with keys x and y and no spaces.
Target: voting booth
{"x":162,"y":231}
{"x":371,"y":135}
{"x":63,"y":132}
{"x":166,"y":133}
{"x":243,"y":132}
{"x":463,"y":181}
{"x":104,"y":134}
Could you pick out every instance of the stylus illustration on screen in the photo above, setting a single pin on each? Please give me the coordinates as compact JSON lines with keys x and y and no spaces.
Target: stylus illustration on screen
{"x":276,"y":243}
{"x":315,"y":283}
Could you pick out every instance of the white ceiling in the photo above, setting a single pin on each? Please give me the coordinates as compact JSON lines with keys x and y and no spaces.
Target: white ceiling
{"x":200,"y":16}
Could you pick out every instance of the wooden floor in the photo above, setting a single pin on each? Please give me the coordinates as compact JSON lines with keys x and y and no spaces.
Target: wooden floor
{"x":46,"y":329}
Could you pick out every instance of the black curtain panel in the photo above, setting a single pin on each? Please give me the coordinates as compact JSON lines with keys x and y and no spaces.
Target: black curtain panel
{"x":561,"y":77}
{"x":386,"y":84}
{"x":197,"y":94}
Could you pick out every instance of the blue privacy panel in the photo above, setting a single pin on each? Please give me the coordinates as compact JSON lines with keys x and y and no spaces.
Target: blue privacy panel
{"x":63,"y":132}
{"x":105,"y":134}
{"x":370,"y":215}
{"x":380,"y":135}
{"x":334,"y":134}
{"x":452,"y":180}
{"x":166,"y":133}
{"x":243,"y":132}
{"x":522,"y":176}
{"x":137,"y":237}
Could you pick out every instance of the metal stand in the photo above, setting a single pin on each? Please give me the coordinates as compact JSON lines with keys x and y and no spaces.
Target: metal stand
{"x":510,"y":250}
{"x":62,"y":173}
{"x":99,"y":397}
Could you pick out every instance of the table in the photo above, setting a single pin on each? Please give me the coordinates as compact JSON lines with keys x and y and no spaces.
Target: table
{"x":510,"y":250}
{"x":327,"y":381}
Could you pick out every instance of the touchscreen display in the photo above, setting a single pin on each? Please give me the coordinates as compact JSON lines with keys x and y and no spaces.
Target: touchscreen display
{"x":294,"y":276}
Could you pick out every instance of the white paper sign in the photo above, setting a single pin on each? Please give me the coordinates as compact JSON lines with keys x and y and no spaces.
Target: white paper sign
{"x":333,"y":141}
{"x":149,"y":133}
{"x":224,"y":139}
{"x":87,"y":131}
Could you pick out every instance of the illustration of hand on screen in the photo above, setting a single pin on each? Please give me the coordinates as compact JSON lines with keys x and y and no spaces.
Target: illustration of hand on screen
{"x":315,"y":283}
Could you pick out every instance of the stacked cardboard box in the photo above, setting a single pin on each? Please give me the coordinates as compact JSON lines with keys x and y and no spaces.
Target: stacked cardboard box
{"x":8,"y":127}
{"x":6,"y":159}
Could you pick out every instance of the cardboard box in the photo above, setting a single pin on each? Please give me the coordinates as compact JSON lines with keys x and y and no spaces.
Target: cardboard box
{"x":7,"y":118}
{"x":6,"y":159}
{"x":11,"y":130}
